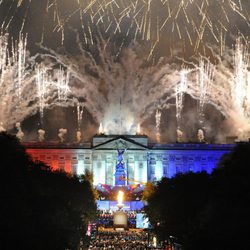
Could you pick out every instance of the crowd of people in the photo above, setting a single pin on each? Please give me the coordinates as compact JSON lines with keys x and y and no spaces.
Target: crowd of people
{"x":119,"y":240}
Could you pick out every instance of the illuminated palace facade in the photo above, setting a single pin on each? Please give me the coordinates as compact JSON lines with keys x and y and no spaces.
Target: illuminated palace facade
{"x":142,"y":161}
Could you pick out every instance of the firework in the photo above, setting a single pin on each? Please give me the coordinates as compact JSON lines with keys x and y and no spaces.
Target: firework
{"x":113,"y":90}
{"x":157,"y":124}
{"x":191,"y":23}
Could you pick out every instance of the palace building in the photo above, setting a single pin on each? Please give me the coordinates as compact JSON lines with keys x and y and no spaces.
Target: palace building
{"x":128,"y":159}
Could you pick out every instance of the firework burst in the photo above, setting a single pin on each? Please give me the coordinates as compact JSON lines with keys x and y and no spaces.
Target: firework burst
{"x":191,"y":23}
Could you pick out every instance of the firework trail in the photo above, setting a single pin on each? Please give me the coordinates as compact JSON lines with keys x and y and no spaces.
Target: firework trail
{"x":25,"y":85}
{"x":181,"y":89}
{"x":204,"y":78}
{"x":157,"y":124}
{"x":79,"y":109}
{"x":115,"y":79}
{"x":111,"y":87}
{"x":107,"y":87}
{"x":226,"y":86}
{"x":190,"y":22}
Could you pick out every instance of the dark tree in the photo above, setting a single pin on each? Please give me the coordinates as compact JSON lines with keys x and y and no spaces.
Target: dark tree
{"x":175,"y":203}
{"x":41,"y":209}
{"x":206,"y":212}
{"x":226,"y":221}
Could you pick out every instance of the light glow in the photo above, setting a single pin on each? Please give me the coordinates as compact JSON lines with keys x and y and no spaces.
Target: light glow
{"x":101,"y":129}
{"x":120,"y":198}
{"x":138,"y":130}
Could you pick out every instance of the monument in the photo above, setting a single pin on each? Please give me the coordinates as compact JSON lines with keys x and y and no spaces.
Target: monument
{"x":120,"y":173}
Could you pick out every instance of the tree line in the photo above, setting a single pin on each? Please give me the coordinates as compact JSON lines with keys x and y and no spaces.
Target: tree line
{"x":41,"y":208}
{"x":203,"y":211}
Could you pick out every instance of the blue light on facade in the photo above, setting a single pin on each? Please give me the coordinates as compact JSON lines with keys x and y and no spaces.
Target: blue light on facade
{"x":183,"y":158}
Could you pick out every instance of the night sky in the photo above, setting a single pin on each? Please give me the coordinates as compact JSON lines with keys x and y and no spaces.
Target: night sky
{"x":154,"y":30}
